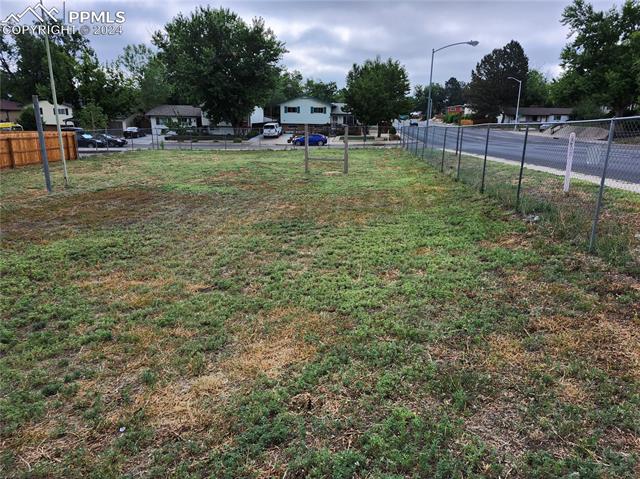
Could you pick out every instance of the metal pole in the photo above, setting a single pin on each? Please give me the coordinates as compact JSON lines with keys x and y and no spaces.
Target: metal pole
{"x":345,"y":169}
{"x":306,"y":148}
{"x":55,"y":102}
{"x":43,"y":146}
{"x":458,"y":139}
{"x":518,"y":105}
{"x":424,"y":136}
{"x":484,"y":164}
{"x":524,"y":151}
{"x":459,"y":153}
{"x":444,"y":146}
{"x":433,"y":52}
{"x":594,"y":227}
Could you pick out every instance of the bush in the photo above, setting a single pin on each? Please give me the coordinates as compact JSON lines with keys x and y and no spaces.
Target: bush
{"x":27,"y":119}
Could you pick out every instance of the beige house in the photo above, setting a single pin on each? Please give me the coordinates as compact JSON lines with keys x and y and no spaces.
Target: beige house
{"x":9,"y":111}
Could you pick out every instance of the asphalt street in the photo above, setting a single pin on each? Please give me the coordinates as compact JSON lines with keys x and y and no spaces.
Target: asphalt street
{"x":542,"y":150}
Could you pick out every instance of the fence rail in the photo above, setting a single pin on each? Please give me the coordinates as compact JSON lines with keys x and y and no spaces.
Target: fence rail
{"x":583,"y":175}
{"x":18,"y":148}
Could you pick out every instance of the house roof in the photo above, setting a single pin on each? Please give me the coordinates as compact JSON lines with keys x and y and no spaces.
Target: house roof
{"x":538,"y":110}
{"x":175,"y":110}
{"x":338,"y":108}
{"x":306,"y":98}
{"x":8,"y":105}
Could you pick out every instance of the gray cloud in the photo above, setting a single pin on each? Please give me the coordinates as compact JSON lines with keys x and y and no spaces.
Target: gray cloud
{"x":325,"y":38}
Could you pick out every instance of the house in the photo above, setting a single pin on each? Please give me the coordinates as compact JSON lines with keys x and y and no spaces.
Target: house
{"x":65,"y":112}
{"x":186,"y":115}
{"x":194,"y":117}
{"x":340,"y":117}
{"x":536,"y":114}
{"x":464,"y":110}
{"x":10,"y":111}
{"x":305,"y":110}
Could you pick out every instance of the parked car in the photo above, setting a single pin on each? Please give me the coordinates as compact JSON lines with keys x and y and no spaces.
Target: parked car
{"x":133,"y":132}
{"x":546,"y":126}
{"x":413,"y":123}
{"x":314,"y":140}
{"x":273,"y":130}
{"x":88,"y":140}
{"x":111,"y":140}
{"x":9,"y":126}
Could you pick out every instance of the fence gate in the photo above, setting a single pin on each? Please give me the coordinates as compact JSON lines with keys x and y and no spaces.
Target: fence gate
{"x":345,"y":156}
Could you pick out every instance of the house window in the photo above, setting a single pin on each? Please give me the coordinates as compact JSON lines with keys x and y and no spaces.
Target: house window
{"x":556,"y":117}
{"x":161,"y":120}
{"x":318,"y":109}
{"x":61,"y":111}
{"x":292,"y":109}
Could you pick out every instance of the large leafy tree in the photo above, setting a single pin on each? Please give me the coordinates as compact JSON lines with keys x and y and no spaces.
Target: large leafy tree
{"x":23,"y":65}
{"x":322,"y":91}
{"x":599,"y":59}
{"x":490,"y":90}
{"x":220,"y":62}
{"x":537,"y":91}
{"x":377,"y":91}
{"x":453,"y":91}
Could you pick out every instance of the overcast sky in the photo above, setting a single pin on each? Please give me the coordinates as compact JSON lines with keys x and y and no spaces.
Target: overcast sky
{"x":325,"y":38}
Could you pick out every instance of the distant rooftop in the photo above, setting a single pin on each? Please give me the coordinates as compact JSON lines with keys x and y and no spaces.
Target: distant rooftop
{"x":175,"y":110}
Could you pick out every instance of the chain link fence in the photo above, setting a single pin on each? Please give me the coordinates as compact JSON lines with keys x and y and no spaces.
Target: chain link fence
{"x":581,"y":179}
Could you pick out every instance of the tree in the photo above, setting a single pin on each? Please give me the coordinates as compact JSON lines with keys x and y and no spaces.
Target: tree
{"x":154,"y":89}
{"x":377,"y":91}
{"x":490,"y":90}
{"x":453,"y":92}
{"x":421,"y":98}
{"x":27,"y":119}
{"x":91,"y":117}
{"x":320,"y":90}
{"x":599,"y":60}
{"x":288,"y":86}
{"x":220,"y":62}
{"x":537,"y":90}
{"x":24,"y":70}
{"x":134,"y":60}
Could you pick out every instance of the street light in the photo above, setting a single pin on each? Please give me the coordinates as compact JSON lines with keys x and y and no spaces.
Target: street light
{"x":518,"y":105}
{"x":473,"y":43}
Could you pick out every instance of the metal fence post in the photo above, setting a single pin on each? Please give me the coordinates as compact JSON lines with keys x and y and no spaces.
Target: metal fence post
{"x":484,"y":163}
{"x":594,"y":227}
{"x":459,"y":153}
{"x":345,"y":167}
{"x":524,"y":152}
{"x":306,"y":148}
{"x":458,"y":138}
{"x":424,"y":135}
{"x":43,"y":145}
{"x":444,"y":146}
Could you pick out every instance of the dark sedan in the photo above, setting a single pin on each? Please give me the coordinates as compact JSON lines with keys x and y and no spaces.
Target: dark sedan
{"x":111,"y":140}
{"x":88,"y":140}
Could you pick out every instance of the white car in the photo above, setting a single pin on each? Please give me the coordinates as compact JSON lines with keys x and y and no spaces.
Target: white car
{"x":271,"y":130}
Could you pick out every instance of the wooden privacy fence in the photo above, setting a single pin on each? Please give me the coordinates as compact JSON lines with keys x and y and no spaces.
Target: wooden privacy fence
{"x":18,"y":148}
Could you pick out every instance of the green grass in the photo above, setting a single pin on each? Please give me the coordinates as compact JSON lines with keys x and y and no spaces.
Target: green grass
{"x":220,"y":314}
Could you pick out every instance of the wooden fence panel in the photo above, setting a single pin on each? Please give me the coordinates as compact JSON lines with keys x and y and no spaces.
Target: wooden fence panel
{"x":18,"y":148}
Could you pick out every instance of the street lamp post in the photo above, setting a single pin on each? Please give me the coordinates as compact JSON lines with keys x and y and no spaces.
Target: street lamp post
{"x":518,"y":105}
{"x":473,"y":43}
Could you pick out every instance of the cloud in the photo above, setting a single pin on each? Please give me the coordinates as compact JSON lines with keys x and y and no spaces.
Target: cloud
{"x":325,"y":38}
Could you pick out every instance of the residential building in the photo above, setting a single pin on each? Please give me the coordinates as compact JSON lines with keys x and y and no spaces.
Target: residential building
{"x":194,"y":117}
{"x":9,"y":111}
{"x":340,"y":117}
{"x":305,"y":110}
{"x":463,"y":110}
{"x":65,"y":112}
{"x":537,"y":114}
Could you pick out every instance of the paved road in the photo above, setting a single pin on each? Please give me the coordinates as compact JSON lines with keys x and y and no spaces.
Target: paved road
{"x":542,"y":150}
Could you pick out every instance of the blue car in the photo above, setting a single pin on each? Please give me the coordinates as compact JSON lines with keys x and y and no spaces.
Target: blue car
{"x":314,"y":140}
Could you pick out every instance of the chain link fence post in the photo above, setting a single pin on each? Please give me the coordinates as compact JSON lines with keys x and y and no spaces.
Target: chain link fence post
{"x":594,"y":227}
{"x":484,"y":163}
{"x":459,"y":153}
{"x":444,"y":147}
{"x":524,"y":152}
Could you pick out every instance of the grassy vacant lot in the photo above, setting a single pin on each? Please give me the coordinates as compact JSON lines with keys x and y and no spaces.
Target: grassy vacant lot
{"x":221,"y":315}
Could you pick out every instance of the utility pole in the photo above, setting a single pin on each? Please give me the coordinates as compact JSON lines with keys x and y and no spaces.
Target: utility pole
{"x":518,"y":105}
{"x":55,"y":99}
